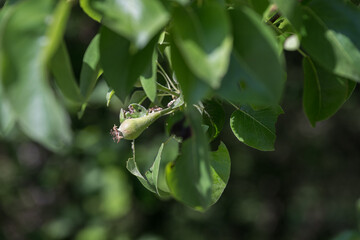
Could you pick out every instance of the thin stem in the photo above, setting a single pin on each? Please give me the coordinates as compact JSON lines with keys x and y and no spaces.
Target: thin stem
{"x":171,"y":83}
{"x":165,"y":89}
{"x":166,"y":80}
{"x":302,"y":52}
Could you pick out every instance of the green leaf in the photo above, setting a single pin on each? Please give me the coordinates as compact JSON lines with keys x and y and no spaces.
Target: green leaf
{"x":189,"y":177}
{"x":58,"y":22}
{"x":7,"y":117}
{"x":148,"y":79}
{"x":213,"y":115}
{"x":256,"y":128}
{"x":61,"y":68}
{"x":90,"y":69}
{"x":132,"y":166}
{"x":149,"y":159}
{"x":39,"y":113}
{"x":156,"y":168}
{"x":220,"y":171}
{"x":256,"y":71}
{"x":333,"y":42}
{"x":192,"y":87}
{"x":168,"y":152}
{"x":86,"y":6}
{"x":324,"y":93}
{"x":203,"y":36}
{"x":137,"y":20}
{"x":122,"y":66}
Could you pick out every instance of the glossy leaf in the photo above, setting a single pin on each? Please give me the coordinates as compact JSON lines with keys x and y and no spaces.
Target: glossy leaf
{"x":256,"y":71}
{"x":137,"y":20}
{"x":189,"y":177}
{"x":213,"y":116}
{"x":220,"y":171}
{"x":122,"y":66}
{"x":203,"y":36}
{"x":333,"y":42}
{"x":324,"y":93}
{"x":256,"y":128}
{"x":39,"y":114}
{"x":90,"y":69}
{"x":61,"y":68}
{"x":148,"y":79}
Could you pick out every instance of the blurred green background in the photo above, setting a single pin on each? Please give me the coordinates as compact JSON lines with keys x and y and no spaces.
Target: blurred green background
{"x":306,"y":189}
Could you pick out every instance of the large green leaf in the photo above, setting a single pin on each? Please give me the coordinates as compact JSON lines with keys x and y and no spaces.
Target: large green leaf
{"x":90,"y":69}
{"x":203,"y":36}
{"x":192,"y":87}
{"x":256,"y":128}
{"x":256,"y":72}
{"x":122,"y":66}
{"x":324,"y":93}
{"x":25,"y":47}
{"x":189,"y":177}
{"x":220,"y":171}
{"x":64,"y":76}
{"x":137,"y":20}
{"x":333,"y":42}
{"x":148,"y":78}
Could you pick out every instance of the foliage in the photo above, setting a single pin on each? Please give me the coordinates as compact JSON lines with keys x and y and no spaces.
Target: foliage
{"x":186,"y":60}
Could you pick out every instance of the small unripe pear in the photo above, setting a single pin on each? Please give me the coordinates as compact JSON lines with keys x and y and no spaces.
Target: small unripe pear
{"x":130,"y":129}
